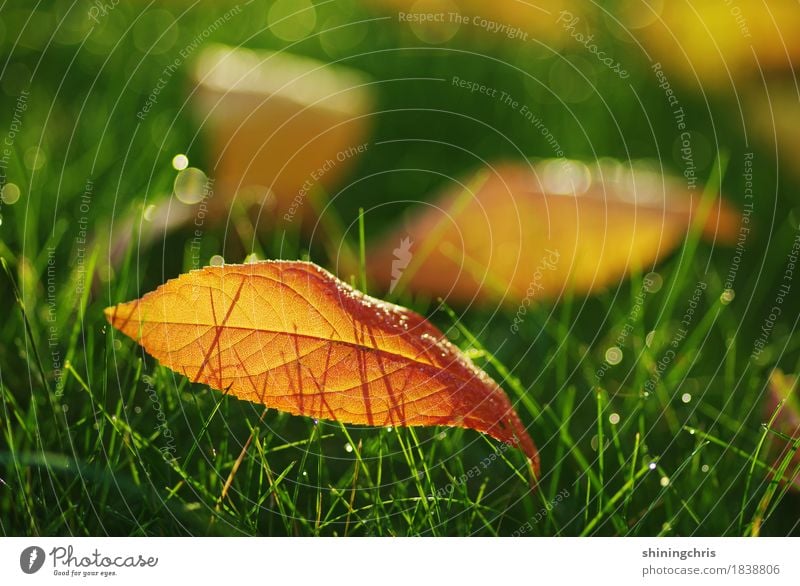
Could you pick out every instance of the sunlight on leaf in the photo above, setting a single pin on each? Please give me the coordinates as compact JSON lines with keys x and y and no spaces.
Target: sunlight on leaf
{"x":782,"y":388}
{"x":293,"y":337}
{"x":280,"y":125}
{"x":714,"y":43}
{"x":534,"y":231}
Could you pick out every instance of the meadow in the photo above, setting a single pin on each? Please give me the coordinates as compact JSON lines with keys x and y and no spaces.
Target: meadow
{"x":648,"y":399}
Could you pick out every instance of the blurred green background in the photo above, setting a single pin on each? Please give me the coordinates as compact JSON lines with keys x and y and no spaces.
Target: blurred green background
{"x":79,"y":429}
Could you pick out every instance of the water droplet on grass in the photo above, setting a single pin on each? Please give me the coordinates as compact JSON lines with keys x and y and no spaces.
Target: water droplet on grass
{"x":180,"y":162}
{"x":727,"y":296}
{"x":613,"y":355}
{"x":190,"y":185}
{"x":653,"y":282}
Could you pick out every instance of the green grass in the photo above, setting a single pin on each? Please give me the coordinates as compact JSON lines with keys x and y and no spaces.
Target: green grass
{"x":84,"y":453}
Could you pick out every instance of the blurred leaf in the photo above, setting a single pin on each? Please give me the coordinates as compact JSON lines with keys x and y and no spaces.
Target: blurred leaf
{"x":281,"y":126}
{"x":773,"y":113}
{"x":781,"y":393}
{"x":719,"y":43}
{"x":520,"y":231}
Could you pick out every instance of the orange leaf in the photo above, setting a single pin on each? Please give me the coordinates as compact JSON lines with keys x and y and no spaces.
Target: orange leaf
{"x":721,"y":46}
{"x":531,"y":232}
{"x":280,"y":125}
{"x":292,"y":336}
{"x":781,"y":394}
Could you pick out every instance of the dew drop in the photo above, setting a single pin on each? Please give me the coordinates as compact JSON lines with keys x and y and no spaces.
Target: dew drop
{"x":149,"y":213}
{"x":727,"y":296}
{"x":180,"y":162}
{"x":653,"y":282}
{"x":216,"y":261}
{"x":190,"y":185}
{"x":613,"y":418}
{"x":686,"y":397}
{"x":292,"y":20}
{"x":348,"y":448}
{"x":10,"y":193}
{"x":35,"y":158}
{"x":613,"y":355}
{"x":704,"y":468}
{"x":664,"y":481}
{"x":652,"y":466}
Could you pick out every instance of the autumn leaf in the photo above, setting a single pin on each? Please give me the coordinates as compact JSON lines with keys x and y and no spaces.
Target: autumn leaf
{"x":280,"y":126}
{"x":773,"y":113}
{"x":293,"y":337}
{"x":520,"y":231}
{"x":485,"y":21}
{"x":719,"y":45}
{"x":782,"y":398}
